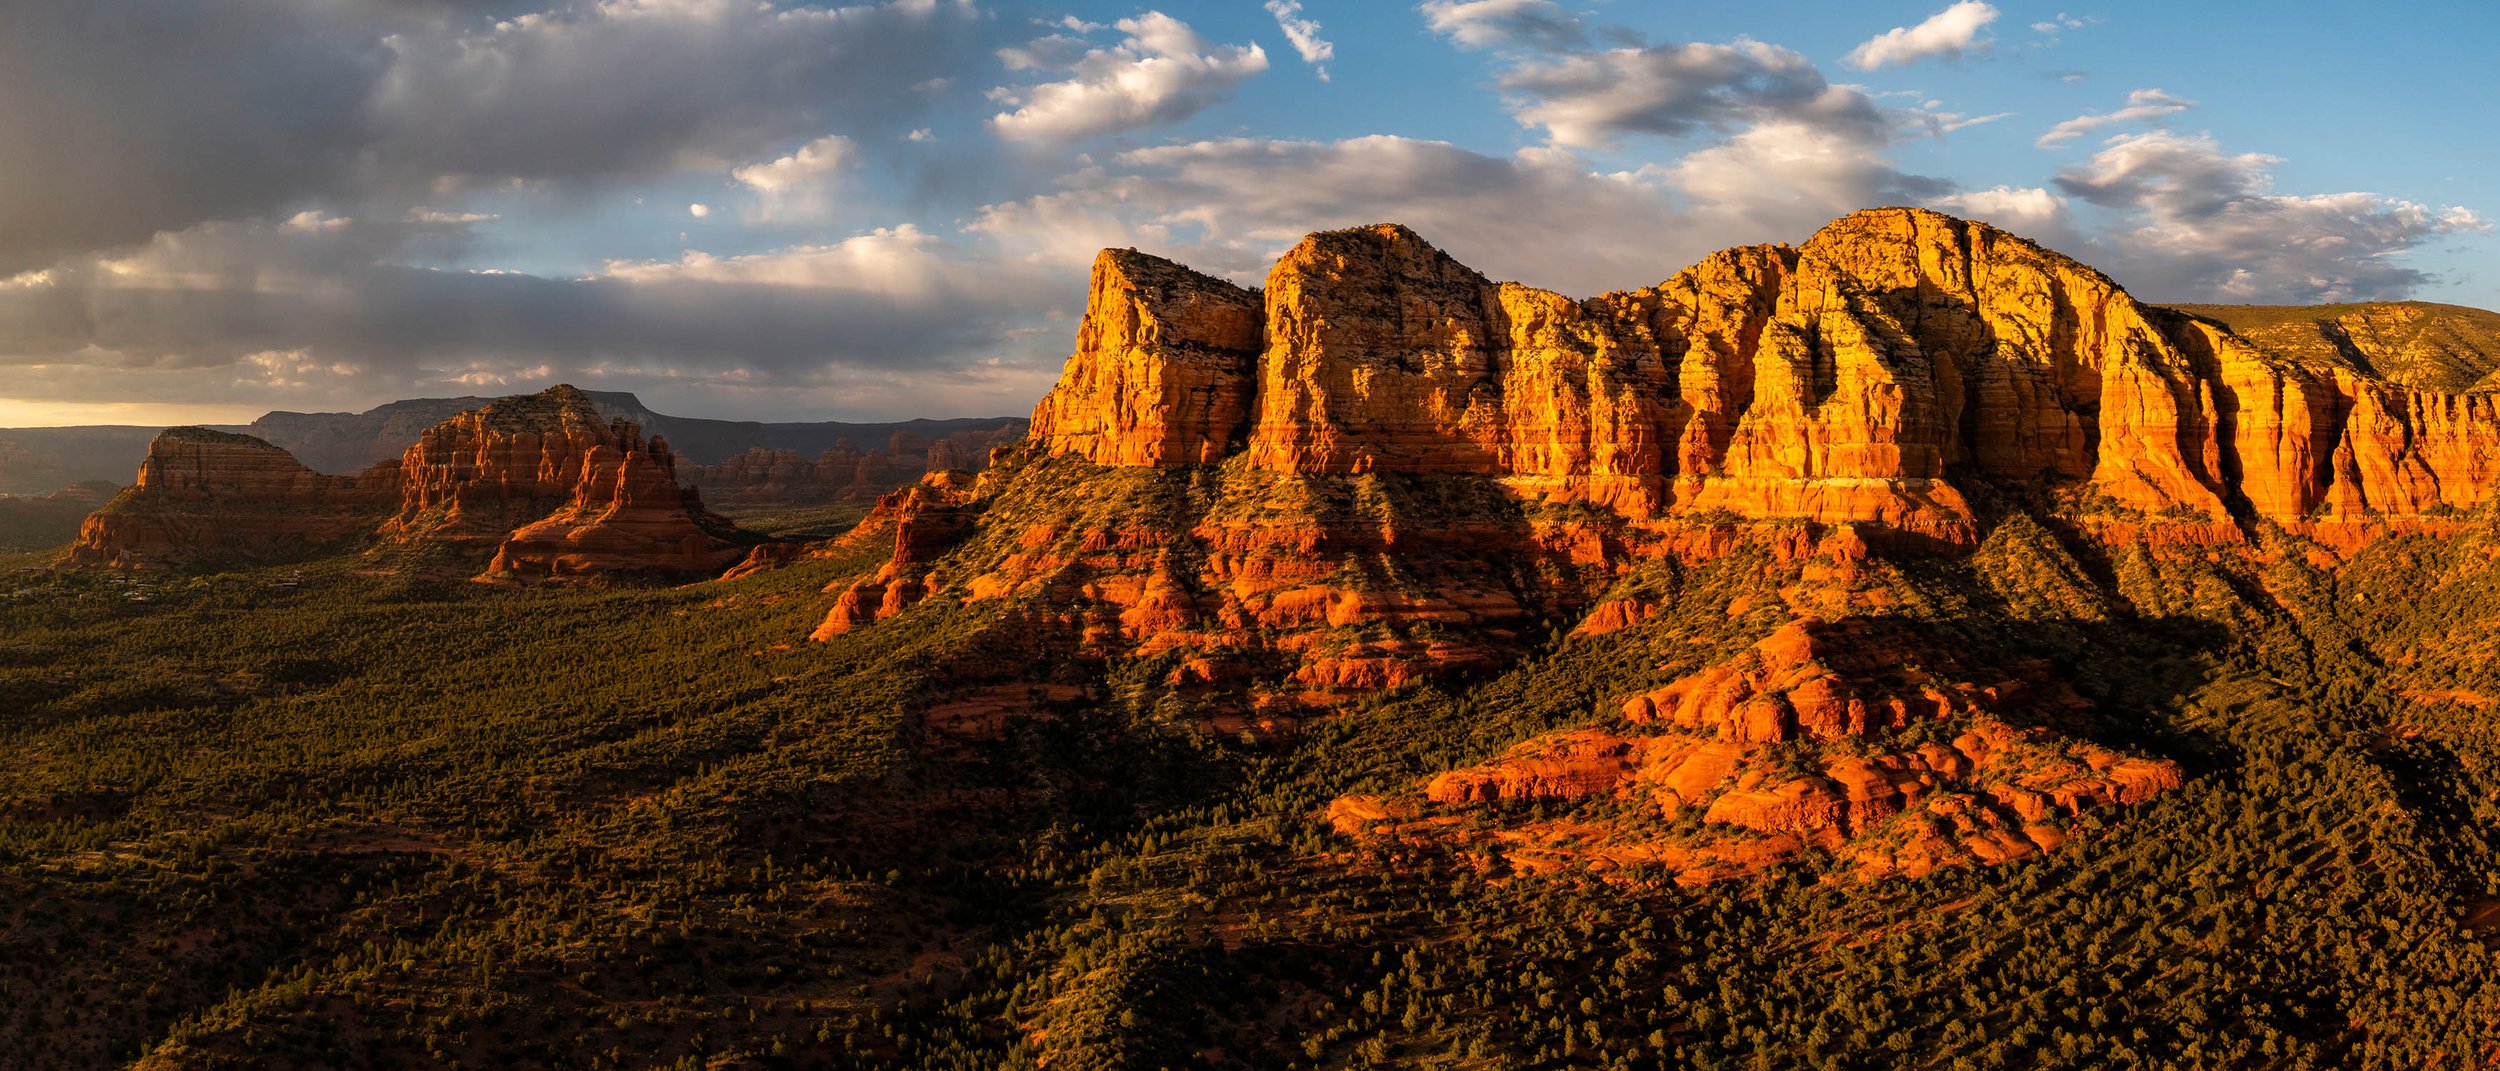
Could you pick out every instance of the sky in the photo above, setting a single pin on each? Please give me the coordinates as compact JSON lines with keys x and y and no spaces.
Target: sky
{"x":781,"y":211}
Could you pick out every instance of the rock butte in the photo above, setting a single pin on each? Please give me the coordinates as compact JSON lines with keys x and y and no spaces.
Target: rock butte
{"x":532,"y":486}
{"x":1855,"y":379}
{"x":209,"y":497}
{"x":1382,"y":466}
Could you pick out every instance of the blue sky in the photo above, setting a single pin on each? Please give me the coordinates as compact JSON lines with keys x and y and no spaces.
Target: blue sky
{"x":792,"y":211}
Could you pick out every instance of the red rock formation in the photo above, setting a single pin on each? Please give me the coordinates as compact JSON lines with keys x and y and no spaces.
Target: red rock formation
{"x":924,"y":520}
{"x":542,"y":486}
{"x":1162,"y":372}
{"x":212,"y":498}
{"x":1834,"y":382}
{"x":470,"y":480}
{"x":1993,"y":792}
{"x":626,"y":515}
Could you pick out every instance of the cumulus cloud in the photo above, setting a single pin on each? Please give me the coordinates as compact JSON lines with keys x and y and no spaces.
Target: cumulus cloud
{"x":1592,"y":98}
{"x":799,"y":186}
{"x":638,"y":87}
{"x":1162,"y":72}
{"x":1304,"y":34}
{"x":2193,"y":222}
{"x":2033,"y":212}
{"x":2143,"y":105}
{"x":129,"y":119}
{"x":2063,"y":22}
{"x":1543,"y":216}
{"x":1505,"y":24}
{"x":1947,"y":34}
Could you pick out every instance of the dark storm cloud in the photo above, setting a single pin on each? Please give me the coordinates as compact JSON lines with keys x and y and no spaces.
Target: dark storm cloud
{"x":128,"y":119}
{"x":216,"y":294}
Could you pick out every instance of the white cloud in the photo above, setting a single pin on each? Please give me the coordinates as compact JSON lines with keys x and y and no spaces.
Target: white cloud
{"x":1304,"y":34}
{"x":2143,"y":105}
{"x":1505,"y":24}
{"x":2033,"y":212}
{"x":799,"y":186}
{"x":1781,"y":178}
{"x":698,"y":210}
{"x":2193,"y":222}
{"x":1162,"y":72}
{"x":1542,"y":216}
{"x":1591,"y":98}
{"x":1947,"y":34}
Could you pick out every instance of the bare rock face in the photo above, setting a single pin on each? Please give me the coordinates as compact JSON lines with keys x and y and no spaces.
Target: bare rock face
{"x":1836,"y":382}
{"x":470,"y":480}
{"x":922,"y":521}
{"x":542,"y":486}
{"x":213,"y":498}
{"x":1803,"y":743}
{"x":626,"y":515}
{"x":1162,"y":371}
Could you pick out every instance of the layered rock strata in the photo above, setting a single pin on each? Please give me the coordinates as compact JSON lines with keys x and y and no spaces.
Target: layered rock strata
{"x":212,"y":498}
{"x":626,"y":514}
{"x":1801,"y":744}
{"x":1854,"y":379}
{"x":531,"y":486}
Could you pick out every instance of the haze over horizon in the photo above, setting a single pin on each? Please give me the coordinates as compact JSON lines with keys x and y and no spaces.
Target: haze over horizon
{"x":797,"y":212}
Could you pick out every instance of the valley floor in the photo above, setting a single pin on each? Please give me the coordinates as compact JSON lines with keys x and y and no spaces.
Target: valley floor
{"x":308,"y":817}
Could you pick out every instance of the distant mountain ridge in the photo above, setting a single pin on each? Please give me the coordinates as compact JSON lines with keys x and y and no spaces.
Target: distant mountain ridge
{"x":37,"y":460}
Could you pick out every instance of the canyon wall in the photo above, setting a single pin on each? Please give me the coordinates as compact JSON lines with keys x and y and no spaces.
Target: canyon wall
{"x":1852,"y":379}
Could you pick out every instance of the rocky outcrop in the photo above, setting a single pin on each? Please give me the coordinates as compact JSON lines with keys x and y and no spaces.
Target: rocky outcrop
{"x":2417,"y":345}
{"x":922,"y":521}
{"x":626,"y":515}
{"x":531,"y":486}
{"x":541,"y":486}
{"x":469,"y":481}
{"x":1801,"y":743}
{"x":1163,"y":368}
{"x":1838,"y":382}
{"x":212,"y":498}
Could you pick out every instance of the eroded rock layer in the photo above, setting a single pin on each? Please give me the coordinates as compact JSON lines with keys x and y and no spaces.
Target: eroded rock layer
{"x":626,"y":514}
{"x":1839,"y":381}
{"x":1166,"y":378}
{"x":529,"y":486}
{"x":1858,"y":738}
{"x":212,"y":498}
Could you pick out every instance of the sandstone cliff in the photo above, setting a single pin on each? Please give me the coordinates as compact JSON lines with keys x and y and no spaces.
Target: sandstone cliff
{"x":1803,"y":742}
{"x":211,"y":498}
{"x":531,"y":486}
{"x":541,"y":485}
{"x":1165,"y":376}
{"x":626,"y":515}
{"x":1857,"y":378}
